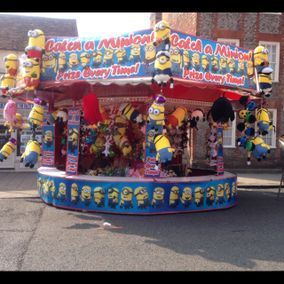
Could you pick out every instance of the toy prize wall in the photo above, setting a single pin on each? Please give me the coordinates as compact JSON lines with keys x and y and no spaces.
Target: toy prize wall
{"x":129,"y":153}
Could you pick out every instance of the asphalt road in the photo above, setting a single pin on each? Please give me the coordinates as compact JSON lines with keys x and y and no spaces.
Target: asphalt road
{"x":35,"y":236}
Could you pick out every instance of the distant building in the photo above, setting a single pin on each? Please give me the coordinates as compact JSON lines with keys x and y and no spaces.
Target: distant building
{"x":247,"y":30}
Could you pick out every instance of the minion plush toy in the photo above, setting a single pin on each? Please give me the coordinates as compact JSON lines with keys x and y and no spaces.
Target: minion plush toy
{"x":176,"y":118}
{"x":36,"y":44}
{"x":264,"y":71}
{"x":8,"y":149}
{"x":263,"y":121}
{"x":11,"y":62}
{"x":163,"y":149}
{"x":31,"y":154}
{"x":156,"y":112}
{"x":162,"y":69}
{"x":35,"y":117}
{"x":162,"y":34}
{"x":7,"y":82}
{"x":31,"y":73}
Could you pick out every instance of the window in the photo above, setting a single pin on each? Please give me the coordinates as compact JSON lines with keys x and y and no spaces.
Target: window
{"x":270,"y":138}
{"x":229,"y":135}
{"x":274,"y":55}
{"x":230,"y":41}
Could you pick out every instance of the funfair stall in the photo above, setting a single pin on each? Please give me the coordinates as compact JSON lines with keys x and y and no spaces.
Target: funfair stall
{"x":119,"y":116}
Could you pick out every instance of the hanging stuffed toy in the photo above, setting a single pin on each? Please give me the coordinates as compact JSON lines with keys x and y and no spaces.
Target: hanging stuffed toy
{"x":11,"y":62}
{"x":156,"y":112}
{"x":8,"y":149}
{"x":132,"y":114}
{"x":7,"y":82}
{"x":162,"y":70}
{"x":59,"y":116}
{"x":31,"y":74}
{"x":35,"y":117}
{"x":163,"y":149}
{"x":162,"y":34}
{"x":91,"y":109}
{"x":177,"y":117}
{"x":263,"y":70}
{"x":257,"y":148}
{"x":31,"y":154}
{"x":264,"y":123}
{"x":36,"y":44}
{"x":196,"y":115}
{"x":9,"y":114}
{"x":221,"y":111}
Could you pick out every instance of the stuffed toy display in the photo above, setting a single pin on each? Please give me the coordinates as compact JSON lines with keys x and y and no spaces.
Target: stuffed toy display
{"x":132,"y":114}
{"x":31,"y":154}
{"x":257,"y":148}
{"x":8,"y":149}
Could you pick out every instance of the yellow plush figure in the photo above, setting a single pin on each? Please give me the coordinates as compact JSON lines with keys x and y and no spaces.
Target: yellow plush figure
{"x":162,"y":32}
{"x":176,"y":118}
{"x":163,"y":69}
{"x":260,"y":56}
{"x":35,"y":117}
{"x":8,"y":149}
{"x":263,"y":121}
{"x":7,"y":82}
{"x":36,"y":44}
{"x":156,"y":112}
{"x":128,"y":111}
{"x":163,"y":149}
{"x":11,"y":62}
{"x":31,"y":154}
{"x":31,"y":74}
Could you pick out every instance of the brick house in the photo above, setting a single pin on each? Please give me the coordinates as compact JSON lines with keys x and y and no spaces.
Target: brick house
{"x":246,"y":30}
{"x":14,"y":39}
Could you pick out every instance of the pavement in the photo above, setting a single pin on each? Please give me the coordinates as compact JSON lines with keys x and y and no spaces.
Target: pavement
{"x":38,"y":237}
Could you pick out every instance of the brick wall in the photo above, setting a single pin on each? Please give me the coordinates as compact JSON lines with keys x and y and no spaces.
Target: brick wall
{"x":14,"y":29}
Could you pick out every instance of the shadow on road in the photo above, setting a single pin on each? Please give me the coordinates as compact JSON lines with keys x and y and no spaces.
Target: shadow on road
{"x":252,"y":231}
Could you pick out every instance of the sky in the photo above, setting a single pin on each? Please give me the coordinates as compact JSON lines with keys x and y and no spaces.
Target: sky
{"x":102,"y":24}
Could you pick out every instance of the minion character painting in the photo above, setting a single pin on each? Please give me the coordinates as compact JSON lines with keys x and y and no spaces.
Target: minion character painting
{"x":186,"y":197}
{"x":49,"y":65}
{"x":142,"y":196}
{"x":99,"y":196}
{"x":74,"y":193}
{"x":126,"y":198}
{"x":198,"y":196}
{"x":158,"y":197}
{"x":113,"y":195}
{"x":85,"y":195}
{"x":174,"y":197}
{"x":73,"y":140}
{"x":61,"y":196}
{"x":210,"y":195}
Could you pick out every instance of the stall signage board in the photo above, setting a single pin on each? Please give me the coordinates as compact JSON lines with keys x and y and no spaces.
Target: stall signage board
{"x":73,"y":141}
{"x":48,"y":147}
{"x":132,"y":56}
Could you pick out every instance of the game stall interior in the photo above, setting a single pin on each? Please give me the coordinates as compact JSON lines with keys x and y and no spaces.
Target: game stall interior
{"x":119,"y":116}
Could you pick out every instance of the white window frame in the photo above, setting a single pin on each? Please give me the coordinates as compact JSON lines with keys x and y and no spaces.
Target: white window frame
{"x":277,"y":44}
{"x":274,"y":121}
{"x":229,"y":41}
{"x":233,"y":137}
